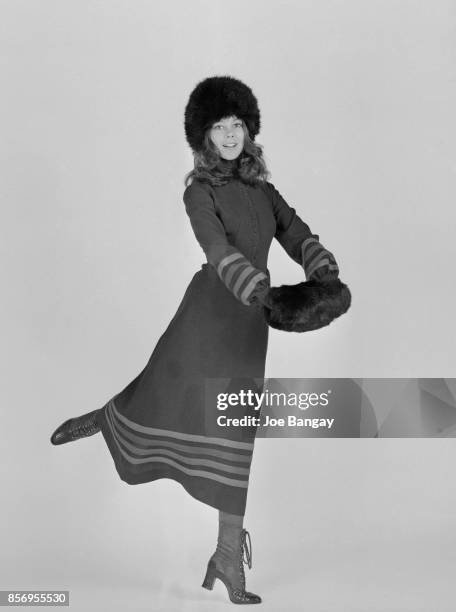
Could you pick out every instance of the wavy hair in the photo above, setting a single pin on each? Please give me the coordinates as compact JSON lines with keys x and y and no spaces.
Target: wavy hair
{"x":210,"y":167}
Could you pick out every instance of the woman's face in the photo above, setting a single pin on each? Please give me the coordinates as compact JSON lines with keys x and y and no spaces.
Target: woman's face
{"x":228,"y":136}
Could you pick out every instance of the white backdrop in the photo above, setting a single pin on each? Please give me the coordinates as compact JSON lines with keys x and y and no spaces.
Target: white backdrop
{"x":357,"y":100}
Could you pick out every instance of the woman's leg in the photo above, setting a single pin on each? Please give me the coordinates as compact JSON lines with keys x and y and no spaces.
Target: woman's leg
{"x":228,"y":542}
{"x":227,"y":563}
{"x":78,"y":427}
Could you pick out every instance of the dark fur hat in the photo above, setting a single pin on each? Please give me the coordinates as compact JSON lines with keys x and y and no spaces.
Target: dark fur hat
{"x":306,"y":306}
{"x":215,"y":98}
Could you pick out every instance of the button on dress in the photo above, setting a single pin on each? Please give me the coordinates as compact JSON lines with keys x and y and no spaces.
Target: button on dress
{"x":162,"y":424}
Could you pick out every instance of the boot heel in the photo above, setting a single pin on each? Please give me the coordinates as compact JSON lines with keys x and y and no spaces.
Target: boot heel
{"x":209,"y":579}
{"x":235,"y":584}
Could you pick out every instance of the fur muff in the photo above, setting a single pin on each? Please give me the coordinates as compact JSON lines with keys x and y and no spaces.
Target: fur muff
{"x":306,"y":306}
{"x":215,"y":98}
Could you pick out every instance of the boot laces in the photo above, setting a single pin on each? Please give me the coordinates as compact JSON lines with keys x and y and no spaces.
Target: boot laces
{"x":85,"y":428}
{"x":246,"y":548}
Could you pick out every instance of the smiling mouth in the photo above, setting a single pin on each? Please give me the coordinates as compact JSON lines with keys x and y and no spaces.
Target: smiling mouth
{"x":231,"y":146}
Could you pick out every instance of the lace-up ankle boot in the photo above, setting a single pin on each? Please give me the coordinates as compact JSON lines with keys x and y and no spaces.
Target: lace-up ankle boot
{"x":234,"y":549}
{"x":78,"y":427}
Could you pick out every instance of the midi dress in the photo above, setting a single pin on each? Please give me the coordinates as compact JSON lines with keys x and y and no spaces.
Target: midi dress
{"x":163,"y":423}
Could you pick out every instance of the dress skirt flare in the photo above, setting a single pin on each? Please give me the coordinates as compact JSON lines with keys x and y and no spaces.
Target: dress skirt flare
{"x":163,"y":423}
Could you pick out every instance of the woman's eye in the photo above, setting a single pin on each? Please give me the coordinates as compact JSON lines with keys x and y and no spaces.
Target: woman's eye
{"x":220,"y":127}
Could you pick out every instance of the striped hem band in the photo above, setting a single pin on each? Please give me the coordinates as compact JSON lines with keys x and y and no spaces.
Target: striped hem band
{"x":219,"y":459}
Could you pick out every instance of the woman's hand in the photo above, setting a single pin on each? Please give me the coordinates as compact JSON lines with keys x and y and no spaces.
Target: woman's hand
{"x":324,"y":274}
{"x":261,"y":296}
{"x":319,"y":264}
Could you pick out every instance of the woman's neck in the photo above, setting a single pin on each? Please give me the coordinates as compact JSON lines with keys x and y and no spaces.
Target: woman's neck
{"x":228,"y":164}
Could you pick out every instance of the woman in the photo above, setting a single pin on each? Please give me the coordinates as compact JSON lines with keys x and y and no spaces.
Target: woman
{"x":162,"y":425}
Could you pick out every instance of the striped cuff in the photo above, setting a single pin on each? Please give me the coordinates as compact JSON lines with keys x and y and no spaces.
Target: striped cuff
{"x":315,"y":257}
{"x":239,"y":276}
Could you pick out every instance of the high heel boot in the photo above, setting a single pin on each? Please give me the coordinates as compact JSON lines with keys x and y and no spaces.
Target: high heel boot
{"x":234,"y":549}
{"x":78,"y":427}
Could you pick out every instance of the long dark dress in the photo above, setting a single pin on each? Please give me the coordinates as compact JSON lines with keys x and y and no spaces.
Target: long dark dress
{"x":161,"y":425}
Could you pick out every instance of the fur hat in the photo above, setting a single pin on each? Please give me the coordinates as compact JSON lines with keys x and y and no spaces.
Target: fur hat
{"x":215,"y":98}
{"x":306,"y":306}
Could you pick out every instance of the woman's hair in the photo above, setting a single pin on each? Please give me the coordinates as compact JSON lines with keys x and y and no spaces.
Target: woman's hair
{"x":210,"y":167}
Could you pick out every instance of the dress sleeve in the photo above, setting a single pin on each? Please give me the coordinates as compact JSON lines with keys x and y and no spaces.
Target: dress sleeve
{"x":298,"y":241}
{"x":234,"y":270}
